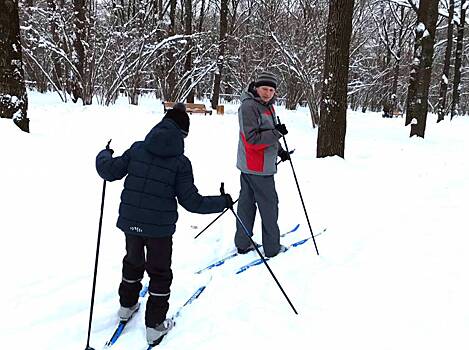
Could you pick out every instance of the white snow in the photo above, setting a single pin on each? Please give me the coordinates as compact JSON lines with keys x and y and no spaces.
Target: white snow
{"x":445,"y":79}
{"x":420,"y":27}
{"x":393,"y":266}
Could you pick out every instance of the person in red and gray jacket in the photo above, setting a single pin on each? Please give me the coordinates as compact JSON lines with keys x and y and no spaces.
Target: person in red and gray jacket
{"x":258,"y":149}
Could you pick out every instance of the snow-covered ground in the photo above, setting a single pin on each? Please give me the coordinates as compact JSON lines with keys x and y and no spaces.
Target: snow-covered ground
{"x":393,"y":266}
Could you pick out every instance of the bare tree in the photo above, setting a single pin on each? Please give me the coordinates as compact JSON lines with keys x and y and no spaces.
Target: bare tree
{"x":221,"y":52}
{"x":458,"y":60}
{"x":446,"y":64}
{"x":188,"y":62}
{"x":299,"y":39}
{"x":13,"y":97}
{"x":201,"y":16}
{"x":84,"y":59}
{"x":419,"y":83}
{"x":169,"y":80}
{"x":332,"y":122}
{"x":403,"y":31}
{"x":115,"y":50}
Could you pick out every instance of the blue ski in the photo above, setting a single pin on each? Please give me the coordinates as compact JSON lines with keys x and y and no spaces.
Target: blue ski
{"x":293,"y":245}
{"x":120,"y":327}
{"x":235,"y":253}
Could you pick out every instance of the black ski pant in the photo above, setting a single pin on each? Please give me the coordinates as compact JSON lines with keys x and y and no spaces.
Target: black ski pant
{"x":158,"y":266}
{"x":260,"y":190}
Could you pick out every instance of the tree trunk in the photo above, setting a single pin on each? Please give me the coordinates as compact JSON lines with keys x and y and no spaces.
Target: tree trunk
{"x":82,"y":84}
{"x":458,"y":61}
{"x":170,"y":83}
{"x":136,"y":77}
{"x":445,"y":74}
{"x":188,"y":63}
{"x":399,"y":56}
{"x":295,"y":92}
{"x":313,"y":106}
{"x":221,"y":52}
{"x":387,"y":58}
{"x":421,"y":68}
{"x":332,"y":122}
{"x":13,"y":96}
{"x":58,"y":76}
{"x":37,"y":51}
{"x":202,"y":16}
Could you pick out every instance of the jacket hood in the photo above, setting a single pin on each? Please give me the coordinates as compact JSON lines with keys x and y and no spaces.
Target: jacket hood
{"x":165,"y":139}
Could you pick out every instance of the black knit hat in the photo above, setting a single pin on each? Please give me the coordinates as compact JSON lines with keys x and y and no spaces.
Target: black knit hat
{"x":266,"y":79}
{"x":179,"y":105}
{"x":181,"y":118}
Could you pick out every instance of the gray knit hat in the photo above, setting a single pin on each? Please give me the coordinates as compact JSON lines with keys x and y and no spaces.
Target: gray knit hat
{"x":266,"y":79}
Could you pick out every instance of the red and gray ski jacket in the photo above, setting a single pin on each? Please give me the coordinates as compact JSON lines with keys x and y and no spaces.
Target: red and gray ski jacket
{"x":258,"y":144}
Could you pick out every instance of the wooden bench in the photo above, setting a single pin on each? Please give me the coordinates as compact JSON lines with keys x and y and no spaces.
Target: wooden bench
{"x":397,"y":113}
{"x":190,"y":107}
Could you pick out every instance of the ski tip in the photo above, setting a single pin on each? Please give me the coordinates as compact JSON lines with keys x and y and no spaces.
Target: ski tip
{"x":295,"y":228}
{"x":296,"y":244}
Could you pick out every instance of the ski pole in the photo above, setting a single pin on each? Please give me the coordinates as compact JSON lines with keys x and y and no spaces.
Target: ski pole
{"x":299,"y":191}
{"x":224,"y":211}
{"x":213,"y":221}
{"x":246,"y":231}
{"x":88,"y":347}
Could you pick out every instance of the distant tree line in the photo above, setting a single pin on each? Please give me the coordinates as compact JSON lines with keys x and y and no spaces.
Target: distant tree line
{"x":404,"y":55}
{"x":85,"y":49}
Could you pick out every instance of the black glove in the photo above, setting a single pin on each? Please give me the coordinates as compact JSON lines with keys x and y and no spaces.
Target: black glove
{"x":281,"y":128}
{"x":229,"y":201}
{"x":284,"y":155}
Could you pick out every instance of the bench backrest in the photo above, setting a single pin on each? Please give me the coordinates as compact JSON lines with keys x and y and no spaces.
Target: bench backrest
{"x":196,"y":106}
{"x":190,"y":107}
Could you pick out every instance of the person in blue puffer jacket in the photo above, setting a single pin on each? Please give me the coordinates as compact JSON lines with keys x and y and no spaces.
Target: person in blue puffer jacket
{"x":157,"y":173}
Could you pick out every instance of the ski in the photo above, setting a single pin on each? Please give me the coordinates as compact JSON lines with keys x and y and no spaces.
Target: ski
{"x":235,"y":253}
{"x":178,"y":312}
{"x":293,"y":245}
{"x":120,"y":327}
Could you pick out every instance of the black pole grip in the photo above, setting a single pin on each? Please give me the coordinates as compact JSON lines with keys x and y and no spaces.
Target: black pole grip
{"x":222,"y":188}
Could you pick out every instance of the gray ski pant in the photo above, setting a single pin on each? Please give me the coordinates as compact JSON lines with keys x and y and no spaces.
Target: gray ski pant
{"x":260,"y":190}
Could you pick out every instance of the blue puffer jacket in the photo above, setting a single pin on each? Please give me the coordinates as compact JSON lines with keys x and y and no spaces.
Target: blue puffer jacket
{"x":157,"y":173}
